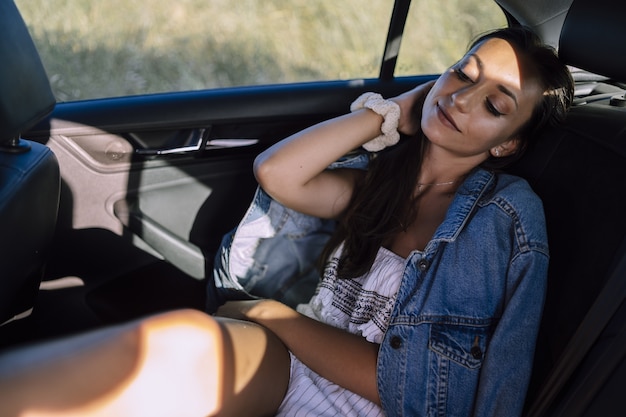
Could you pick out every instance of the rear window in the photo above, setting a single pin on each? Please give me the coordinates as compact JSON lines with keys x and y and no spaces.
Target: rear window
{"x":438,"y":33}
{"x":95,"y":49}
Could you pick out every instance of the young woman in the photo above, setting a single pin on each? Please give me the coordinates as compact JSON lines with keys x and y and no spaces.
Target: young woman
{"x":432,"y":291}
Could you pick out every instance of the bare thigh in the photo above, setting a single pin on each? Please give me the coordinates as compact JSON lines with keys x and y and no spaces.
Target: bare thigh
{"x":256,"y":368}
{"x":181,"y":363}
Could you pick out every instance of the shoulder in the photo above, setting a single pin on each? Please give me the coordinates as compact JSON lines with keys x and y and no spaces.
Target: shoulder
{"x":487,"y":187}
{"x":515,"y":199}
{"x":515,"y":193}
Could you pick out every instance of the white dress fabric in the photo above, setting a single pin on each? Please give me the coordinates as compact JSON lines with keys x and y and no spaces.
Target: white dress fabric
{"x":361,"y":306}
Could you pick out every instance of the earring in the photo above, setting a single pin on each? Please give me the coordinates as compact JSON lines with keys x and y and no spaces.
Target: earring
{"x":497,"y":152}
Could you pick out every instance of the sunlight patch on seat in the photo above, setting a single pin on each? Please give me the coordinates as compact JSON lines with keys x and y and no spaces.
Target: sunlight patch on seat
{"x":61,"y":283}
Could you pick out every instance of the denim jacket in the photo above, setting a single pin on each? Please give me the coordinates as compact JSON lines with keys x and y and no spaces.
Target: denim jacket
{"x":461,"y":337}
{"x":273,"y":251}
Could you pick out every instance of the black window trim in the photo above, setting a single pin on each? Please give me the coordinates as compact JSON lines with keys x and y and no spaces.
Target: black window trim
{"x":394,"y":39}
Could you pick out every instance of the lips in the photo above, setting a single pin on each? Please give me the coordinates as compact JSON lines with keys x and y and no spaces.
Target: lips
{"x":446,"y":119}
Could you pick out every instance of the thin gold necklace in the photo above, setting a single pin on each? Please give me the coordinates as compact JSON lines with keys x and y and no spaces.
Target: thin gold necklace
{"x":421,"y":185}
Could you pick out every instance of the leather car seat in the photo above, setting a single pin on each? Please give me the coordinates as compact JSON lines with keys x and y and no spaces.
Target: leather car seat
{"x":29,"y":171}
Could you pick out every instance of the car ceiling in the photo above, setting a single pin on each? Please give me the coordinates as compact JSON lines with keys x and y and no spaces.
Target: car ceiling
{"x":545,"y":17}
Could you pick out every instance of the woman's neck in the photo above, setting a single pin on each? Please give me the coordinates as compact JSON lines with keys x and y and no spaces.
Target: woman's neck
{"x":441,"y":170}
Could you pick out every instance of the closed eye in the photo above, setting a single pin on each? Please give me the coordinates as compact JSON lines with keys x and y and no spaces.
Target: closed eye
{"x":492,"y":109}
{"x":462,"y":76}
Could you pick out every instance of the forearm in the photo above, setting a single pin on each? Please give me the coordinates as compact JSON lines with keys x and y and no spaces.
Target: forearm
{"x":293,"y":171}
{"x":303,"y":155}
{"x":341,"y":357}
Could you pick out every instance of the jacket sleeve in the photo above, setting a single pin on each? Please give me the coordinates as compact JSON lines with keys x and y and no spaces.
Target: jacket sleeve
{"x":273,"y":251}
{"x":509,"y":357}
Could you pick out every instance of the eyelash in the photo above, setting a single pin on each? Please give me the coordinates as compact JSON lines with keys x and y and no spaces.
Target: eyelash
{"x":491,"y":108}
{"x":488,"y":104}
{"x":461,"y":75}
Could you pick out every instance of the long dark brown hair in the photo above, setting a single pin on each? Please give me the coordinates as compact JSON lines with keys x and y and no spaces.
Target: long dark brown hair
{"x":383,"y":203}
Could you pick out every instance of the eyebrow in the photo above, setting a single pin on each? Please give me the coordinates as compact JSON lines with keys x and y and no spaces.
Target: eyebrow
{"x":501,"y":87}
{"x":508,"y":93}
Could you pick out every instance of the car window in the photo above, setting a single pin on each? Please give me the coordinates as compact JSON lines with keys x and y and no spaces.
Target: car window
{"x":119,"y":47}
{"x":95,"y":49}
{"x":438,"y":33}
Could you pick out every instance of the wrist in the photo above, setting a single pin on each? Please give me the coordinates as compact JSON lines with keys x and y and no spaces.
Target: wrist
{"x":389,"y":111}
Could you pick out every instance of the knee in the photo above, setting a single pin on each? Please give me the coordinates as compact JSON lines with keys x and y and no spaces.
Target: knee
{"x":186,"y":329}
{"x":181,"y":359}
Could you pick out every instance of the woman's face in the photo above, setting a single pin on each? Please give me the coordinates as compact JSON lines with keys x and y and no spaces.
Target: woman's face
{"x":477,"y":106}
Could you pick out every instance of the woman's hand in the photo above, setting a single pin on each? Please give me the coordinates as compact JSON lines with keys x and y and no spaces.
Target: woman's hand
{"x":408,"y":123}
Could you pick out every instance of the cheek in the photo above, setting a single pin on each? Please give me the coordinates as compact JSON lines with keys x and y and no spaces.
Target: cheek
{"x":429,"y":108}
{"x":424,"y":119}
{"x":428,"y":123}
{"x":493,"y":134}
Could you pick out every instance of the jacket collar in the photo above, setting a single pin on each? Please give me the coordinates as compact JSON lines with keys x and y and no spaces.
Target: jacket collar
{"x":479,"y":183}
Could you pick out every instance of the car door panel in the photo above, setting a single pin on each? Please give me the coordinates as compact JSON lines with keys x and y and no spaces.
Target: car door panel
{"x":171,"y":173}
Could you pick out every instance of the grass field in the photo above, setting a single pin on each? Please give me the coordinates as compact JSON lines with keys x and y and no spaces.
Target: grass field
{"x":103,"y":48}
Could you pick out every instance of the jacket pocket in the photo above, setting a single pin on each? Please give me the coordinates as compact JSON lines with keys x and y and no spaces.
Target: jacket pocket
{"x":461,"y":344}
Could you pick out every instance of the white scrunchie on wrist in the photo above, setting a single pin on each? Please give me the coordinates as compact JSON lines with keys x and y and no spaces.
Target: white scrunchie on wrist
{"x":390,"y":111}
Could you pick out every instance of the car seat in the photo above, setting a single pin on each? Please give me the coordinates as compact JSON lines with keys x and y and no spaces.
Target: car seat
{"x":579,"y":171}
{"x":29,"y":172}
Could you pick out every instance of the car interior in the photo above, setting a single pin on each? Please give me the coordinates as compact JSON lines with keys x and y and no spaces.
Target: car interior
{"x":29,"y":196}
{"x":113,"y":209}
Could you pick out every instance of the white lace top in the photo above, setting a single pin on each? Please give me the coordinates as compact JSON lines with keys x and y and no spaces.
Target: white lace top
{"x":361,"y":306}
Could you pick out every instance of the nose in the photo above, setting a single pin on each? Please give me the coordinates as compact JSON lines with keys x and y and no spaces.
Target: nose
{"x":463,"y":98}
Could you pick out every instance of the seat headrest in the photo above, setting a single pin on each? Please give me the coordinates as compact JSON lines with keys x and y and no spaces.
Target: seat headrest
{"x":593,"y":38}
{"x":25,"y":93}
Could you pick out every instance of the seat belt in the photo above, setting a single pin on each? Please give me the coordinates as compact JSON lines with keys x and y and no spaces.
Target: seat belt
{"x":592,"y":325}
